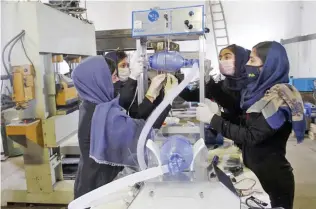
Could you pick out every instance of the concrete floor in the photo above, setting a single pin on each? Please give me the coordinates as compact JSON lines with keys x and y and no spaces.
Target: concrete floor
{"x":302,"y":158}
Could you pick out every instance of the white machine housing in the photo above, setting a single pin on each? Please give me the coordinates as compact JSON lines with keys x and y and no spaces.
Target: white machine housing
{"x":162,"y":22}
{"x":47,"y":31}
{"x":159,"y":193}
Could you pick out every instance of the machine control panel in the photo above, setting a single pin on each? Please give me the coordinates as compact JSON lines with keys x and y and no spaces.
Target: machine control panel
{"x":173,"y":21}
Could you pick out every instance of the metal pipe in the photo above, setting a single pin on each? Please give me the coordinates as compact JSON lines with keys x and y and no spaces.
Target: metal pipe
{"x":202,"y":80}
{"x":142,"y":81}
{"x":57,"y":60}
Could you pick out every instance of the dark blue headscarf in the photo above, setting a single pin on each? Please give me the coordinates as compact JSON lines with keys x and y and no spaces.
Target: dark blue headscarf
{"x":282,"y":102}
{"x":113,"y":56}
{"x":113,"y":135}
{"x":239,"y":80}
{"x":275,"y":71}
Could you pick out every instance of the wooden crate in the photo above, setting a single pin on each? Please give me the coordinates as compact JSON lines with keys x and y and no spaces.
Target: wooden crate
{"x":312,"y":128}
{"x":312,"y":135}
{"x":292,"y":134}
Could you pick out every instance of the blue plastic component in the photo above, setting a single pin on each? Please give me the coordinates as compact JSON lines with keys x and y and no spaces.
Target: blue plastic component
{"x":310,"y":110}
{"x":153,"y":16}
{"x":177,"y":153}
{"x":169,"y":61}
{"x":303,"y":84}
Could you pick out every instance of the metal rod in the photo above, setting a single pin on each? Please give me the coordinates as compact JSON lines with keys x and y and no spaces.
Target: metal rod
{"x":299,"y":39}
{"x":202,"y":80}
{"x":142,"y":81}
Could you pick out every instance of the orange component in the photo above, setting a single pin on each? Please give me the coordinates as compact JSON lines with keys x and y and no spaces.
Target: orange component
{"x":66,"y":95}
{"x":31,"y":131}
{"x":23,"y":85}
{"x":78,"y":60}
{"x":57,"y":58}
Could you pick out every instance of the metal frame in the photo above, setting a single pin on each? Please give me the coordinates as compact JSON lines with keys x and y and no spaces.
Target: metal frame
{"x":42,"y":158}
{"x":298,"y":39}
{"x":141,"y":49}
{"x":202,"y":80}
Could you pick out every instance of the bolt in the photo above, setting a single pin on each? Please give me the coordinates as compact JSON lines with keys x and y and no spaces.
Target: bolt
{"x":151,"y":193}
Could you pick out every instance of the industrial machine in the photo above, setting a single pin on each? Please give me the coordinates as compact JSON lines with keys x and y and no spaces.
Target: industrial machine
{"x":175,"y":173}
{"x":70,"y":7}
{"x":66,"y":94}
{"x":42,"y":95}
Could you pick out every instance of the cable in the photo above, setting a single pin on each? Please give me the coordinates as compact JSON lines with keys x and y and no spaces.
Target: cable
{"x":11,"y":48}
{"x":132,"y":102}
{"x":259,"y":203}
{"x":246,"y":189}
{"x":8,"y":90}
{"x":27,"y":54}
{"x":242,"y":180}
{"x":14,"y":40}
{"x":3,"y":52}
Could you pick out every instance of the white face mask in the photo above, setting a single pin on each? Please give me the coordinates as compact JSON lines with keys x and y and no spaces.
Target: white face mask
{"x":123,"y":73}
{"x":227,"y":67}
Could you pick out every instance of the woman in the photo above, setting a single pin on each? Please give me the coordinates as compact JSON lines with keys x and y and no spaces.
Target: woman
{"x":271,"y":108}
{"x":127,"y":88}
{"x":107,"y":136}
{"x":226,"y":93}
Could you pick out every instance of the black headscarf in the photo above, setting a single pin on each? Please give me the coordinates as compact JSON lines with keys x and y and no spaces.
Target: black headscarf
{"x":238,"y":81}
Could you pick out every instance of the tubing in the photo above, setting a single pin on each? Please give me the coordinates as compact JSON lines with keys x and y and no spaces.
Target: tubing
{"x":11,"y":48}
{"x":105,"y":193}
{"x":156,"y":113}
{"x":5,"y":47}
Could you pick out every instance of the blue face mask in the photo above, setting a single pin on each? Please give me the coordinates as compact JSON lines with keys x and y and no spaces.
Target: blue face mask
{"x":253,"y":73}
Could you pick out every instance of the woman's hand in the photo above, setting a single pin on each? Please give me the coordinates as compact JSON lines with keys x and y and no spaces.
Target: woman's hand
{"x":155,"y":87}
{"x":172,"y":81}
{"x":206,"y":111}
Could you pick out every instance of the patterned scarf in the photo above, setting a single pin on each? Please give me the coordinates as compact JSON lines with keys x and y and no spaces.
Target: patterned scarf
{"x":282,"y":103}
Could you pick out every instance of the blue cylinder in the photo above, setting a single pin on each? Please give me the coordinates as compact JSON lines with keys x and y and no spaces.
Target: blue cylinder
{"x":177,"y":153}
{"x":169,"y":61}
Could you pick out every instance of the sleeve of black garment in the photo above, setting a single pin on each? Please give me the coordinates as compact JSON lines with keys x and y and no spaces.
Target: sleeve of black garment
{"x":225,"y":98}
{"x":127,"y":93}
{"x":257,"y":131}
{"x":214,"y":91}
{"x":146,"y":108}
{"x":161,"y":119}
{"x":190,"y":96}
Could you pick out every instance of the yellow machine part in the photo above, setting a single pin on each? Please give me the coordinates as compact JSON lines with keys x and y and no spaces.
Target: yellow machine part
{"x":23,"y":85}
{"x":32,"y":131}
{"x":67,"y":95}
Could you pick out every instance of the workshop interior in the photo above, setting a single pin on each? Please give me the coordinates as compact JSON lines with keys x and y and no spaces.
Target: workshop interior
{"x":179,"y":166}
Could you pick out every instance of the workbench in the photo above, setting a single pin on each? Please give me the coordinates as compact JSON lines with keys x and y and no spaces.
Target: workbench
{"x":256,"y":191}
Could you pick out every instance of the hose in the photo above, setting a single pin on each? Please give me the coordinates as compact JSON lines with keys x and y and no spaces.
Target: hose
{"x":5,"y":47}
{"x":5,"y":77}
{"x":105,"y":193}
{"x":156,"y":113}
{"x":11,"y":48}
